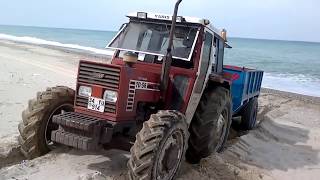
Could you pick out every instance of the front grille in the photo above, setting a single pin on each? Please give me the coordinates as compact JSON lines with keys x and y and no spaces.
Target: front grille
{"x":94,"y":74}
{"x":83,"y":102}
{"x":100,"y":75}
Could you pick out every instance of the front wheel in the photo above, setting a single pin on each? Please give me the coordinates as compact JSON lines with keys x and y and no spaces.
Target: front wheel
{"x":159,"y":147}
{"x":36,"y":126}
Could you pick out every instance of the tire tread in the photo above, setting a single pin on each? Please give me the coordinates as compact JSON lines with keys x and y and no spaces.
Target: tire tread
{"x":202,"y":125}
{"x":148,"y":140}
{"x":30,"y":138}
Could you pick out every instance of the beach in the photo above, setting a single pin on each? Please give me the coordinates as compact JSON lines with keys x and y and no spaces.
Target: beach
{"x":284,"y":145}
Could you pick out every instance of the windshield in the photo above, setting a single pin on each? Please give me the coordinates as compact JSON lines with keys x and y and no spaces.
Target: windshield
{"x":153,"y":38}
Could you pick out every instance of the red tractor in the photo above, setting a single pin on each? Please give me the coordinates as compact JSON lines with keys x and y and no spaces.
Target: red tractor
{"x":165,"y":90}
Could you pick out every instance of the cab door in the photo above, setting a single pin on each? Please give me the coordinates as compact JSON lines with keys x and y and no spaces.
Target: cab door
{"x":205,"y":68}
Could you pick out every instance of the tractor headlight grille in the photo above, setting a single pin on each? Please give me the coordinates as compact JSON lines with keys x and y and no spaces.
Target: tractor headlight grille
{"x":110,"y":96}
{"x":103,"y":75}
{"x":85,"y":91}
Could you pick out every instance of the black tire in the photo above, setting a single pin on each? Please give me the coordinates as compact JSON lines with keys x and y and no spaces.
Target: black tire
{"x":151,"y":156}
{"x":208,"y":130}
{"x":36,"y":126}
{"x":249,"y":115}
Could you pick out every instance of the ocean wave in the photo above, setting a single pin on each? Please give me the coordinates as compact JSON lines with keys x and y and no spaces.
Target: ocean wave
{"x":38,"y":41}
{"x":296,"y":83}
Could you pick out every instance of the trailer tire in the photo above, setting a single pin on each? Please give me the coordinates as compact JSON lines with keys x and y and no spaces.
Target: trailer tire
{"x":36,"y":126}
{"x":206,"y":134}
{"x":249,"y":115}
{"x":159,"y":147}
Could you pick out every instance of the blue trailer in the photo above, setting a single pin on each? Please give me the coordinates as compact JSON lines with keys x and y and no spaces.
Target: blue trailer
{"x":245,"y":90}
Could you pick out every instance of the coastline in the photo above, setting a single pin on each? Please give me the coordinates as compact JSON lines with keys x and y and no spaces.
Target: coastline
{"x":286,"y":94}
{"x":75,"y":51}
{"x":283,"y":146}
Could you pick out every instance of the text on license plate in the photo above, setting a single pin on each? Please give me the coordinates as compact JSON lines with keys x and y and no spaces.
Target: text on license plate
{"x":96,"y":104}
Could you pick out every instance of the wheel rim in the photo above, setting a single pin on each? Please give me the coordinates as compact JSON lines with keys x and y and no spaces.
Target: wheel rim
{"x":170,"y":156}
{"x":51,"y":126}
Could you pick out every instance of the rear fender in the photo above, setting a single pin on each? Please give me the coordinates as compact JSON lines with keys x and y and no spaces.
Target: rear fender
{"x":218,"y":80}
{"x":212,"y":80}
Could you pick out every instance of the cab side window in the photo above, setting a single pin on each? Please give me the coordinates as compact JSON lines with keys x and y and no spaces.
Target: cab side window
{"x":204,"y":62}
{"x":219,"y":53}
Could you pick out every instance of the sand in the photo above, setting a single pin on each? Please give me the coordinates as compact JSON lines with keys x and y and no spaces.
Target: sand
{"x":285,"y":144}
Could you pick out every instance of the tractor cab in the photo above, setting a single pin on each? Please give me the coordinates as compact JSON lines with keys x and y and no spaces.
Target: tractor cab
{"x":147,"y":36}
{"x":197,"y":51}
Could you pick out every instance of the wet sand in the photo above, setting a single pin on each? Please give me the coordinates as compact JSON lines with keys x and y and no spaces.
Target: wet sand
{"x":285,"y":144}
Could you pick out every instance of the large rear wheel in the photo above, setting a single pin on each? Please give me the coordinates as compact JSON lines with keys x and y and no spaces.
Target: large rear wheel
{"x":36,"y":126}
{"x":159,"y":147}
{"x":209,"y":128}
{"x":249,"y":115}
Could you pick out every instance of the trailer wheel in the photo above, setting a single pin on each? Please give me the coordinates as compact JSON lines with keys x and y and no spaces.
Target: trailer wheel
{"x":249,"y":115}
{"x":36,"y":126}
{"x":209,"y":128}
{"x":159,"y":147}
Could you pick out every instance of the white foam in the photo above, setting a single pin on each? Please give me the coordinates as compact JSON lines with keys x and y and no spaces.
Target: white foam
{"x":300,"y":84}
{"x":37,"y":41}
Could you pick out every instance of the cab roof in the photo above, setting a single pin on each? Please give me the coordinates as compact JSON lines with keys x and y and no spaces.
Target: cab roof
{"x":180,"y":19}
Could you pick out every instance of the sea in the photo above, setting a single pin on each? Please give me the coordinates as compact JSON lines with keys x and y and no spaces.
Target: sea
{"x":288,"y":65}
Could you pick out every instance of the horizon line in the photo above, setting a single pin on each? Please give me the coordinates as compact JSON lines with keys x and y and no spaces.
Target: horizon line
{"x":104,"y":30}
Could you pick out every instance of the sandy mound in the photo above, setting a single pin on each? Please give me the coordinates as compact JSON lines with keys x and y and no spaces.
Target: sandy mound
{"x":276,"y":149}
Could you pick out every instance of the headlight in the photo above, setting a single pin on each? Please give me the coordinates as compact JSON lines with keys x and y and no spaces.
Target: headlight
{"x":110,"y":96}
{"x":85,"y":91}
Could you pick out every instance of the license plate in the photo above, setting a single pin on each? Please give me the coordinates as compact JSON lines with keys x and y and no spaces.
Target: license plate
{"x":96,"y":104}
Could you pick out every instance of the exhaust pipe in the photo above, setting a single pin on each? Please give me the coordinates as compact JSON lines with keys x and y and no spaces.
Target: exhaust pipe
{"x":168,"y":58}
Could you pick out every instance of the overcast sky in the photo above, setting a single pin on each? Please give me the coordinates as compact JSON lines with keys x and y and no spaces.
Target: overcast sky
{"x":266,"y":19}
